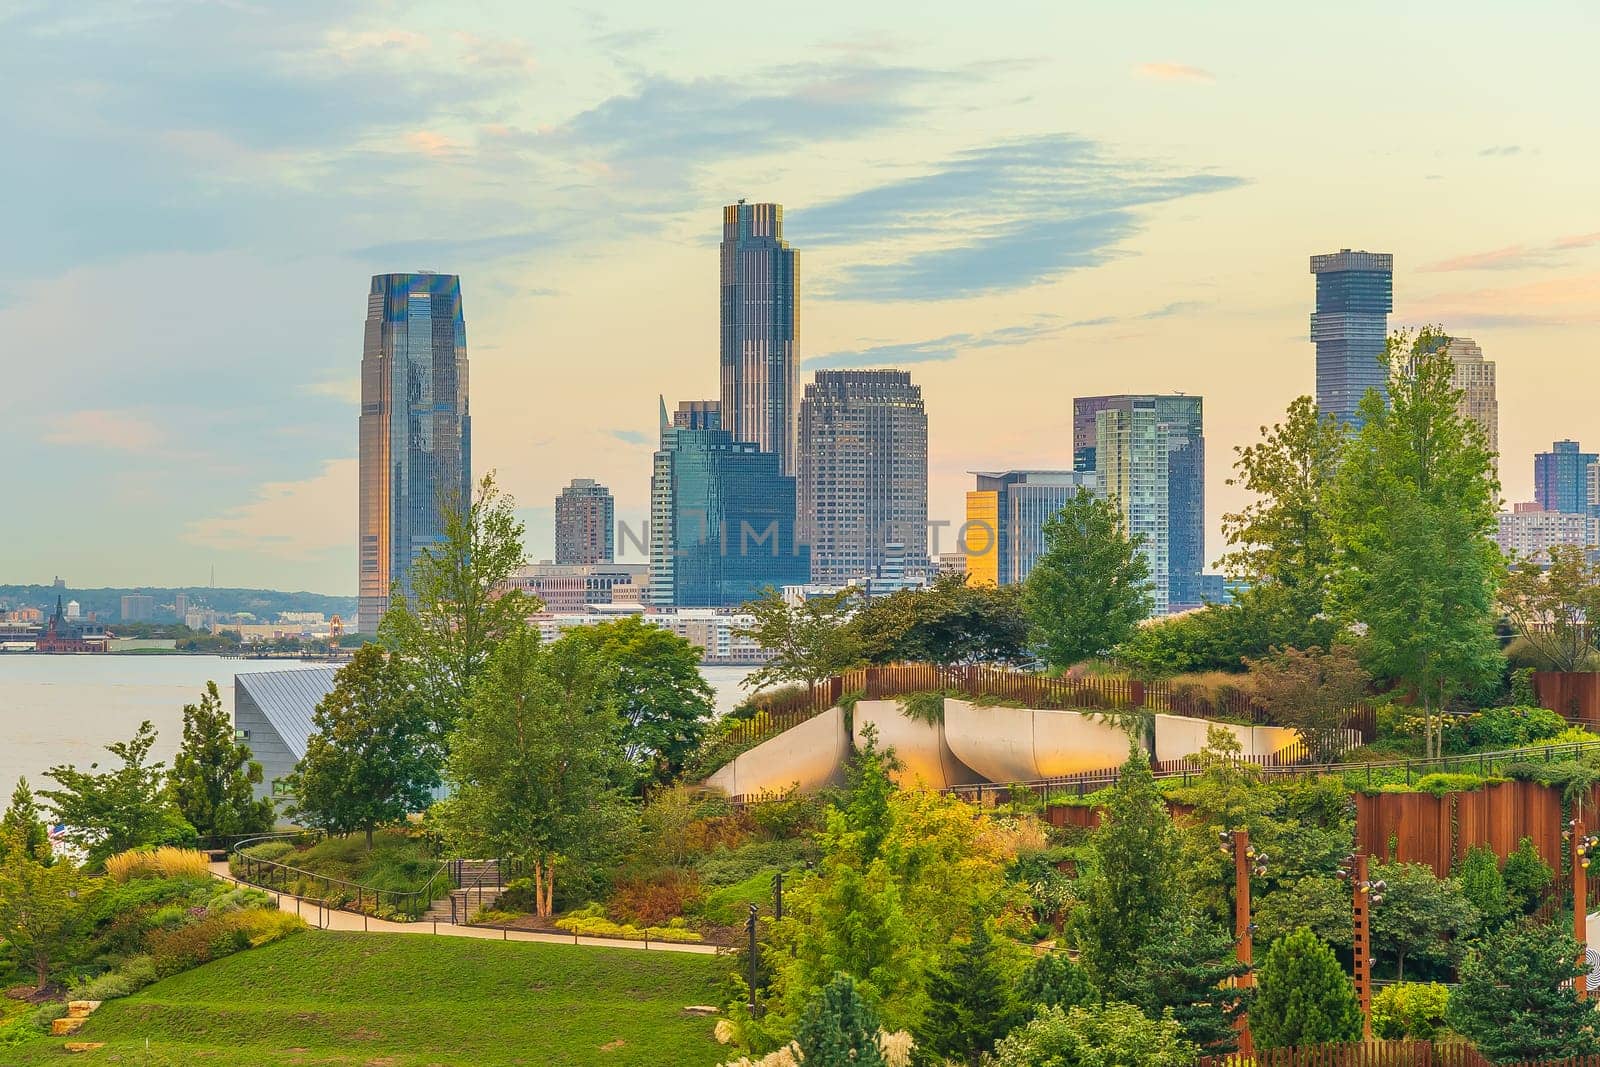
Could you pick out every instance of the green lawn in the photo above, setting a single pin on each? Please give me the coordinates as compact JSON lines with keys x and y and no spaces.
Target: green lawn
{"x":410,"y":1000}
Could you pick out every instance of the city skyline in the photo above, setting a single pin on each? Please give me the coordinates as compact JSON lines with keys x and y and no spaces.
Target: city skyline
{"x":954,"y":223}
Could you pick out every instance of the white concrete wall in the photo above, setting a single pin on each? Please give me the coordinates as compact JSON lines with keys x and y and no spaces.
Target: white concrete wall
{"x":924,"y":754}
{"x":807,"y":757}
{"x":1023,"y":744}
{"x":1178,"y":736}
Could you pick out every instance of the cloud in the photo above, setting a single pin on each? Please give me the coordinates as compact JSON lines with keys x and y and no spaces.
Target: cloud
{"x":1174,"y":72}
{"x":1518,"y":256}
{"x":300,"y":521}
{"x":997,"y":218}
{"x":631,"y":437}
{"x":1567,"y":300}
{"x":1501,"y":150}
{"x":116,"y":431}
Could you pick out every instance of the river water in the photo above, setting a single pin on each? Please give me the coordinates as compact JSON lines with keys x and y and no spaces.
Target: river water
{"x":66,"y":709}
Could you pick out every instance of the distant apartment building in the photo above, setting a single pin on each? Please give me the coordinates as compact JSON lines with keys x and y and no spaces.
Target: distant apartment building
{"x":1006,"y":513}
{"x":1350,"y":327}
{"x":950,"y":563}
{"x":138,"y":607}
{"x":722,"y":519}
{"x":863,"y":472}
{"x":1529,"y":530}
{"x":586,"y":523}
{"x":717,"y":634}
{"x":563,"y":587}
{"x":1561,"y":478}
{"x":415,"y":429}
{"x":760,"y":304}
{"x":1474,"y":376}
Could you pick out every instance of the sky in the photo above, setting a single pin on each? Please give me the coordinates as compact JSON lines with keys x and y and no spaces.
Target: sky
{"x":1019,"y":203}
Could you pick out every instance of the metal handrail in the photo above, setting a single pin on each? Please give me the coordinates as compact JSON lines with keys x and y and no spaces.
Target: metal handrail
{"x":254,"y":864}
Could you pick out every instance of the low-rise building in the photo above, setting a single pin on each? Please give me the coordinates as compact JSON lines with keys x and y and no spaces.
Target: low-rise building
{"x":1529,"y":530}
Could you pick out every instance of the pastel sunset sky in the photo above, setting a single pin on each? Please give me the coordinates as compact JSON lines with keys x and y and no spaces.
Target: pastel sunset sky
{"x":1017,"y":202}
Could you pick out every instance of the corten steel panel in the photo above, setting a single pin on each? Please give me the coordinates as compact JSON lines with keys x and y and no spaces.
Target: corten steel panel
{"x":1438,"y":831}
{"x":1575,"y":694}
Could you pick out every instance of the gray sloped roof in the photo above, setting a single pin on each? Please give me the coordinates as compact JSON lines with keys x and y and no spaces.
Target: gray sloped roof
{"x":288,"y":698}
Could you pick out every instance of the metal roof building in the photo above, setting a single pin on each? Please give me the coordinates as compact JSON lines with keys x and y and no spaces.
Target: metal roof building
{"x":272,"y":714}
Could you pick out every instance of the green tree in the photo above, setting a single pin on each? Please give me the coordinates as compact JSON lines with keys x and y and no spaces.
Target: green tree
{"x":839,"y":1029}
{"x":1053,"y":980}
{"x":664,"y":701}
{"x":1303,"y":996}
{"x":1413,"y":1010}
{"x":1515,"y":1000}
{"x":1116,"y":1035}
{"x":461,"y":601}
{"x":1527,"y":876}
{"x":950,"y":623}
{"x":1483,"y":885}
{"x":1551,"y":603}
{"x":23,"y":823}
{"x":869,"y":783}
{"x":1414,"y":509}
{"x":1090,"y":586}
{"x":1320,"y":903}
{"x":212,"y":773}
{"x":971,"y":1004}
{"x":112,"y":811}
{"x":40,"y":907}
{"x":1314,"y":692}
{"x":536,"y":768}
{"x":1187,"y":968}
{"x":1420,"y":914}
{"x":372,"y":757}
{"x":808,"y":642}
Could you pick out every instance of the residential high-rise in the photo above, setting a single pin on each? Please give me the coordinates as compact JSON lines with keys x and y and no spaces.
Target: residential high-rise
{"x":1561,"y":478}
{"x":138,"y":607}
{"x":1474,"y":377}
{"x":1355,"y":293}
{"x":863,"y":472}
{"x":1177,"y":422}
{"x":760,"y":308}
{"x":1006,"y":513}
{"x":722,"y":520}
{"x":416,"y":431}
{"x":1528,"y":531}
{"x":586,"y":523}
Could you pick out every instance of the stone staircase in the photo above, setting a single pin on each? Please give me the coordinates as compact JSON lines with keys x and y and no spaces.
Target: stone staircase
{"x":480,"y":886}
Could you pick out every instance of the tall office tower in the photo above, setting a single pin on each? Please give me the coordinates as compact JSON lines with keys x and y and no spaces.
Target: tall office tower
{"x":722,"y":520}
{"x":698,"y":415}
{"x":1131,"y":461}
{"x":863,"y":466}
{"x":416,"y":432}
{"x":760,"y":310}
{"x":586,"y":523}
{"x":1006,"y":513}
{"x":1181,"y":422}
{"x":1474,"y":377}
{"x":1355,"y":293}
{"x":1561,"y":478}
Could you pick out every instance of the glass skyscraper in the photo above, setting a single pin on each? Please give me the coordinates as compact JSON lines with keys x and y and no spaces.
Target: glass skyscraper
{"x":1355,"y":293}
{"x":760,"y":308}
{"x":415,"y":429}
{"x":722,"y":516}
{"x":1006,"y":513}
{"x":1561,"y":478}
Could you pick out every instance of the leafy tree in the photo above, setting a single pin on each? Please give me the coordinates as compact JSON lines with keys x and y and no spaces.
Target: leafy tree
{"x":1419,"y":914}
{"x":1526,"y":875}
{"x":839,"y":1029}
{"x":112,"y":811}
{"x":39,"y":907}
{"x":1410,"y":1009}
{"x":1312,"y":691}
{"x":1090,"y":586}
{"x":869,"y":783}
{"x":1218,"y":637}
{"x":1053,"y":980}
{"x":1282,"y":542}
{"x":1320,"y":903}
{"x":1303,"y":996}
{"x":664,"y":701}
{"x":1116,"y":1035}
{"x":1413,"y":510}
{"x":537,"y":767}
{"x":212,"y":773}
{"x":971,"y":1005}
{"x":22,"y":823}
{"x":1515,"y":1001}
{"x":372,"y":757}
{"x":948,"y":624}
{"x":461,"y":602}
{"x":808,"y":642}
{"x":1483,"y":885}
{"x":1187,"y":968}
{"x":1552,"y":607}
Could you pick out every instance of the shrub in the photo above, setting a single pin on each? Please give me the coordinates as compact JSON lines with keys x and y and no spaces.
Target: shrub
{"x":518,"y":897}
{"x":132,"y":976}
{"x":1527,"y":876}
{"x":270,"y":850}
{"x":590,"y":921}
{"x":795,"y":815}
{"x":654,"y":898}
{"x":1410,"y":1009}
{"x":1495,"y":728}
{"x":215,"y":936}
{"x":728,"y":905}
{"x":1441,"y":783}
{"x":728,"y":866}
{"x":163,"y":862}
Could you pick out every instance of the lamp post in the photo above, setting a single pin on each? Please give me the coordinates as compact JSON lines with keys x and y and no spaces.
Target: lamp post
{"x":1366,"y":894}
{"x":750,"y":928}
{"x":1583,"y":847}
{"x":1246,"y":862}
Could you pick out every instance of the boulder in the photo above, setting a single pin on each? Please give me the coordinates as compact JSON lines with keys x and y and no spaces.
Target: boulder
{"x":69,"y":1025}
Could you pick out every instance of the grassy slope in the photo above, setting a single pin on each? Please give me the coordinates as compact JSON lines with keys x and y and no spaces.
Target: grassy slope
{"x":408,"y":1000}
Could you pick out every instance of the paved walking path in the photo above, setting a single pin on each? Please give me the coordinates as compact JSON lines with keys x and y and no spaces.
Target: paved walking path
{"x":324,"y":918}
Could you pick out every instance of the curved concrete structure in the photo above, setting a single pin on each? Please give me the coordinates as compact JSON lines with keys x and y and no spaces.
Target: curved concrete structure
{"x":807,"y":757}
{"x":1178,"y":737}
{"x":1024,"y":744}
{"x":924,"y":754}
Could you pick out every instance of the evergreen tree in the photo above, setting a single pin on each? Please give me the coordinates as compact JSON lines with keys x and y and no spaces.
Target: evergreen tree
{"x":1483,"y":885}
{"x":1187,"y":967}
{"x":1303,"y":996}
{"x":1527,"y":876}
{"x":970,"y":1002}
{"x":1055,"y":981}
{"x":23,"y":826}
{"x":839,"y":1029}
{"x":1515,"y":1000}
{"x":212,"y":774}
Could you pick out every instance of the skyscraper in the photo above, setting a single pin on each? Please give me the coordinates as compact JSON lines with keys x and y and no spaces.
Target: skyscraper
{"x":1355,"y":293}
{"x":1006,"y":513}
{"x":586,"y":523}
{"x":1175,"y":423}
{"x":416,"y":432}
{"x":722,"y":519}
{"x":1561,"y":478}
{"x":863,"y":472}
{"x":760,"y":307}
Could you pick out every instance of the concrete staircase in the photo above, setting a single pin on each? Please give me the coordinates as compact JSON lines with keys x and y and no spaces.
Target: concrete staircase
{"x":479,"y":885}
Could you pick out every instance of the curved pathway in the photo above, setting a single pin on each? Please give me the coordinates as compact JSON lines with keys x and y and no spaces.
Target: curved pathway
{"x":325,"y":918}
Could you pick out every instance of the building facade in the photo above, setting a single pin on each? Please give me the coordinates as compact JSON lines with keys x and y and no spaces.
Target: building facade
{"x":416,"y":430}
{"x":722,"y":520}
{"x":564,"y":587}
{"x":1006,"y":513}
{"x":760,"y":313}
{"x":138,"y":607}
{"x":1474,"y":376}
{"x":586,"y":524}
{"x":1529,"y":530}
{"x":1561,"y":478}
{"x":863,"y":472}
{"x":1350,"y":327}
{"x":1131,"y":461}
